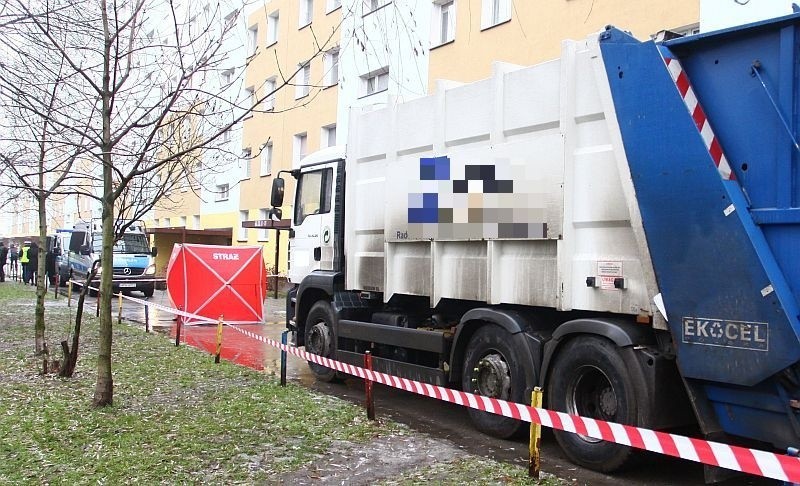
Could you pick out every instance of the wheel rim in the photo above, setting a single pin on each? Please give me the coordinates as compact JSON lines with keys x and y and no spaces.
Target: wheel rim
{"x":592,"y":395}
{"x":492,"y":377}
{"x":319,"y":338}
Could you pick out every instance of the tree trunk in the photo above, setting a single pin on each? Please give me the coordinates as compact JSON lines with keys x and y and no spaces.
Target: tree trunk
{"x":40,"y":343}
{"x":104,"y":387}
{"x":71,"y":353}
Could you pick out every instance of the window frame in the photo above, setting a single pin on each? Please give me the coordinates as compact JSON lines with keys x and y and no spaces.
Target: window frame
{"x":273,"y":25}
{"x":303,"y":86}
{"x":494,"y":13}
{"x":265,"y":167}
{"x":325,"y":194}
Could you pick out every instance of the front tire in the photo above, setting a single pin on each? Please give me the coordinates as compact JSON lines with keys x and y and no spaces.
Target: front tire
{"x":148,"y":292}
{"x":590,"y":378}
{"x":319,"y":338}
{"x":494,"y":368}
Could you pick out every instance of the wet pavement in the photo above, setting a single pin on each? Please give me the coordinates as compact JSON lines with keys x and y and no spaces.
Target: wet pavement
{"x":438,"y":419}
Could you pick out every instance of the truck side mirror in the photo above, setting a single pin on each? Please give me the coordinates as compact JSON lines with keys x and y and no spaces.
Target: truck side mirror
{"x":276,"y":199}
{"x":154,"y":252}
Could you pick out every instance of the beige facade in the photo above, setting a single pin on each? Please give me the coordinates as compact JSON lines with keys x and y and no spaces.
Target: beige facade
{"x":528,"y":32}
{"x":301,"y":115}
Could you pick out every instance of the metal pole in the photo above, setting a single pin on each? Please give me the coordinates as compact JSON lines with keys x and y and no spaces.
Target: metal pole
{"x":370,"y":402}
{"x":219,"y":339}
{"x":56,"y":286}
{"x":69,"y":293}
{"x":534,"y":465}
{"x":147,"y":318}
{"x":277,"y":255}
{"x":284,"y":341}
{"x":97,"y":307}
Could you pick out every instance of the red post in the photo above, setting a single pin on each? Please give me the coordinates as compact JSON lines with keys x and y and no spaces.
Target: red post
{"x":370,"y":402}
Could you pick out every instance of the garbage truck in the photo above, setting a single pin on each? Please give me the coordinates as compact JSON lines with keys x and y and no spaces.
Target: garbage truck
{"x":619,"y":226}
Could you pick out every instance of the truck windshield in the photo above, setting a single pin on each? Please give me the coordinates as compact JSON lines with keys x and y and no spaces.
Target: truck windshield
{"x":129,"y":243}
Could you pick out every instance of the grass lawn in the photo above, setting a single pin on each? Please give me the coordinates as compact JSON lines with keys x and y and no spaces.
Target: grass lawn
{"x":179,"y":418}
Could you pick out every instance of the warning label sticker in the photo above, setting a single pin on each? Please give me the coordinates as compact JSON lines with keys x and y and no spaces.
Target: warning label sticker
{"x":607,"y":271}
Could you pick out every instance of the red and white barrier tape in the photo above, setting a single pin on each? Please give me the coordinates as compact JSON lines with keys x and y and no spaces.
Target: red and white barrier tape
{"x":752,"y":461}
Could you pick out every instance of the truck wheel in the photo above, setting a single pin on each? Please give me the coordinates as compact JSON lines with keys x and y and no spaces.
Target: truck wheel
{"x":319,"y":338}
{"x":590,"y":378}
{"x":148,"y":292}
{"x":493,"y":368}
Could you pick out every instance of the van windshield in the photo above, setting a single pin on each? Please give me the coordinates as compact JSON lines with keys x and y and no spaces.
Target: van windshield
{"x":129,"y":243}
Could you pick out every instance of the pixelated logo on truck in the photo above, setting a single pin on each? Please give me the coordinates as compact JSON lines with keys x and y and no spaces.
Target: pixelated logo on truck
{"x":473,"y":201}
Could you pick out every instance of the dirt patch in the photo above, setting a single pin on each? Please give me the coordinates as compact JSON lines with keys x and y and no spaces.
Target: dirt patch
{"x":381,"y":458}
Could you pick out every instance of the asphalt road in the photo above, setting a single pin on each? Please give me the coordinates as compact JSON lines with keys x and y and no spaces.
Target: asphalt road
{"x":451,"y":422}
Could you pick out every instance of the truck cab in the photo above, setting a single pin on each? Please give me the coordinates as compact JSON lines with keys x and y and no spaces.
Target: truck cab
{"x":133,"y":259}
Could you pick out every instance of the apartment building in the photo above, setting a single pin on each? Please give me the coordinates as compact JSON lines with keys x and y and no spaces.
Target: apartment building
{"x":467,"y":36}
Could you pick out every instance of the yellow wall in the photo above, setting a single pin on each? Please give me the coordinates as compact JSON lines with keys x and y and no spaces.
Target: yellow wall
{"x":537,"y":27}
{"x":290,"y":116}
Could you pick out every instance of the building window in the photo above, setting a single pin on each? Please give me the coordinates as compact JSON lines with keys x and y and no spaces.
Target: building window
{"x":266,"y":159}
{"x":495,"y":12}
{"x":242,"y":231}
{"x":303,"y":81}
{"x":332,"y":5}
{"x":250,"y":99}
{"x":329,"y":136}
{"x":444,"y":18}
{"x":331,"y":65}
{"x":272,"y":27}
{"x":223,"y":192}
{"x":166,"y":222}
{"x":246,"y":162}
{"x":155,"y":222}
{"x":373,"y":5}
{"x":183,"y":221}
{"x":300,"y":146}
{"x":226,"y":77}
{"x":269,"y":91}
{"x":376,"y":82}
{"x":196,"y":221}
{"x":306,"y":12}
{"x":252,"y":40}
{"x":263,"y":235}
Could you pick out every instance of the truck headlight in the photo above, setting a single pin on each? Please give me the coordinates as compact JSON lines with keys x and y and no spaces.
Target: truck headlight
{"x":150,"y":270}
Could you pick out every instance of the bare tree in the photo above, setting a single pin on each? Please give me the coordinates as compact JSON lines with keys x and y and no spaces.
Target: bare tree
{"x":140,"y":79}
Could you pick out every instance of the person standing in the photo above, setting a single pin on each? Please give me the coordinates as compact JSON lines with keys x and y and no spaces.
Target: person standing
{"x":24,"y":261}
{"x":13,"y":255}
{"x":3,"y":258}
{"x":33,"y":262}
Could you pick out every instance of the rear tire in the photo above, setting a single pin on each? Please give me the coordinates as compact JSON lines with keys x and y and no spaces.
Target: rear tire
{"x":493,"y":368}
{"x":319,"y":338}
{"x":590,"y":378}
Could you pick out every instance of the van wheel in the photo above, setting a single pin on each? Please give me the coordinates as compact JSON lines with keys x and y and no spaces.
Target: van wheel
{"x":319,"y":338}
{"x":590,"y":378}
{"x":492,"y":368}
{"x":148,"y":292}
